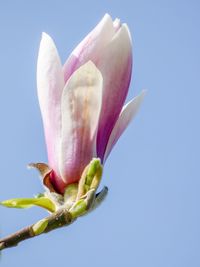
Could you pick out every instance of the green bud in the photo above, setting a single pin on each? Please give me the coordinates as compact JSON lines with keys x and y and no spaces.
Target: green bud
{"x":97,"y":178}
{"x":79,"y":208}
{"x":94,"y":165}
{"x":40,"y":226}
{"x":90,"y":178}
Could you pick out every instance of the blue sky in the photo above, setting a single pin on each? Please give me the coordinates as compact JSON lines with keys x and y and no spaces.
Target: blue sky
{"x":151,"y":216}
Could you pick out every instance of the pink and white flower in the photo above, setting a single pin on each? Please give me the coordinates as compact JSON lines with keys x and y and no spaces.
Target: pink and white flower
{"x":82,"y":102}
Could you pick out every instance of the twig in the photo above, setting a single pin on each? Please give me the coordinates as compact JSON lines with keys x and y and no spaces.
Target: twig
{"x":59,"y":219}
{"x":56,"y":220}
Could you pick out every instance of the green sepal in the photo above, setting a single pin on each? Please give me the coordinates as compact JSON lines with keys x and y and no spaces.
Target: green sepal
{"x":90,"y":178}
{"x":22,"y":203}
{"x":70,"y":195}
{"x":93,"y":167}
{"x":94,"y":201}
{"x":78,"y":209}
{"x":40,"y":226}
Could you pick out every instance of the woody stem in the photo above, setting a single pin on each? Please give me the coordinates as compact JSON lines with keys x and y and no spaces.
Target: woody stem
{"x":59,"y":219}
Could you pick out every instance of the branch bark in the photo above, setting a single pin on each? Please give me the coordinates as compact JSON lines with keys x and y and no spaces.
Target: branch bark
{"x":59,"y":219}
{"x":56,"y":220}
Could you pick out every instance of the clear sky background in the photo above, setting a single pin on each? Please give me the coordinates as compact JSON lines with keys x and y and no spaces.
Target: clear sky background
{"x":151,"y":216}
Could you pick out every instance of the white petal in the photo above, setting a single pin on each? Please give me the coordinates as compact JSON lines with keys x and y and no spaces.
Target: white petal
{"x":81,"y":104}
{"x":50,"y":83}
{"x":116,"y":24}
{"x":127,"y":114}
{"x":91,"y":47}
{"x":96,"y":39}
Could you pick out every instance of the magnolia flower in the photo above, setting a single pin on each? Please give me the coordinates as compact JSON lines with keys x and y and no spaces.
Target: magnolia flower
{"x":82,"y":102}
{"x":83,"y":112}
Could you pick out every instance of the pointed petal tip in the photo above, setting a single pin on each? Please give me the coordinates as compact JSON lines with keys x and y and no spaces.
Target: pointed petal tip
{"x":127,"y":114}
{"x":90,"y":68}
{"x":125,"y":28}
{"x":136,"y":101}
{"x":142,"y":95}
{"x":123,"y":36}
{"x":89,"y":63}
{"x":46,"y":42}
{"x":117,"y":24}
{"x":45,"y":36}
{"x":107,"y":16}
{"x":116,"y":19}
{"x":144,"y":91}
{"x":106,"y":20}
{"x":139,"y":98}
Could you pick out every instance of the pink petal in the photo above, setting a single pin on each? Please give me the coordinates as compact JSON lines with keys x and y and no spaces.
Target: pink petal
{"x":50,"y":82}
{"x":127,"y":114}
{"x":115,"y":64}
{"x":91,"y":47}
{"x":81,"y":104}
{"x":109,"y":47}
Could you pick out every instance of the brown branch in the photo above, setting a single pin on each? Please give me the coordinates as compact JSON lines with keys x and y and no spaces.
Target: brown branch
{"x":59,"y":219}
{"x":56,"y":220}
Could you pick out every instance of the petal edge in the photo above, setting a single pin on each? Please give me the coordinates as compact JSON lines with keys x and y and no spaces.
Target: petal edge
{"x":81,"y":103}
{"x":127,"y":114}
